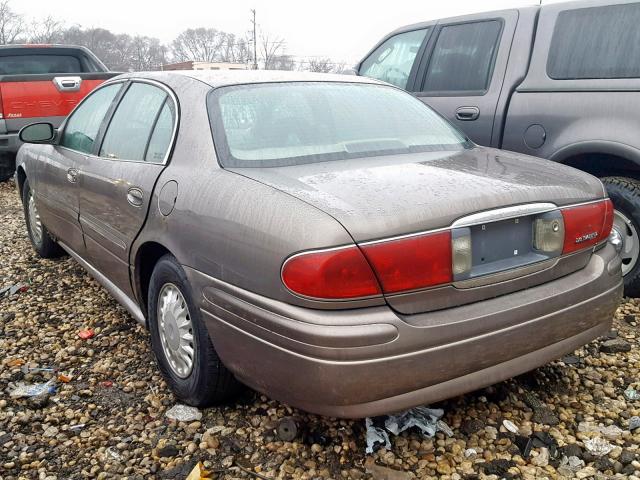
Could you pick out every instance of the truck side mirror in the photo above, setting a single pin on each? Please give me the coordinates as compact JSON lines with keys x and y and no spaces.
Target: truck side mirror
{"x":42,"y":132}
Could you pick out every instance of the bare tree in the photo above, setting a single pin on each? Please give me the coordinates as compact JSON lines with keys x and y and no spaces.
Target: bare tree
{"x":12,"y":24}
{"x":47,"y":30}
{"x":282,"y":62}
{"x":270,"y":49}
{"x":235,"y":50}
{"x":147,"y":53}
{"x":320,"y":65}
{"x":199,"y":44}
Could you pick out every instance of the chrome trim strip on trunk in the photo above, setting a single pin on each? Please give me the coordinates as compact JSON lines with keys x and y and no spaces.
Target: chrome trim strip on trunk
{"x":505,"y":213}
{"x":118,"y":294}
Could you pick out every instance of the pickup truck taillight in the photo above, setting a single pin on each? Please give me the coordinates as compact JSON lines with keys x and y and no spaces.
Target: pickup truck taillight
{"x":1,"y":109}
{"x":425,"y":260}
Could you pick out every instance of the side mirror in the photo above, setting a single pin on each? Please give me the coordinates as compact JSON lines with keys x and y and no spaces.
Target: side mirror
{"x":37,"y":133}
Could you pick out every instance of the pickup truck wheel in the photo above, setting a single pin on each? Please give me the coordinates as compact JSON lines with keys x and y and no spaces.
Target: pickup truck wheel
{"x":186,"y":357}
{"x":43,"y":244}
{"x":7,"y":167}
{"x":625,"y":195}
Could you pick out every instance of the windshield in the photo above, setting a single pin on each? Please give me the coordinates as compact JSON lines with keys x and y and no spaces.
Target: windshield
{"x":278,"y":124}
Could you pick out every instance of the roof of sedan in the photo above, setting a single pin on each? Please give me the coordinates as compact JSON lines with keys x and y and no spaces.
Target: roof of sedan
{"x":220,"y":78}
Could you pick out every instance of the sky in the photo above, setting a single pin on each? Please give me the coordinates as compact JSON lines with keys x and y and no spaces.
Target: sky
{"x":343,"y":30}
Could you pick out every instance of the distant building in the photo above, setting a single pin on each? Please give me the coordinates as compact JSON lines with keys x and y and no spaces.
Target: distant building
{"x":191,"y":65}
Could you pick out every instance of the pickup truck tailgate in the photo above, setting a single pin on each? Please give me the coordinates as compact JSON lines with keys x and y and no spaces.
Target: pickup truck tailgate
{"x":26,"y":98}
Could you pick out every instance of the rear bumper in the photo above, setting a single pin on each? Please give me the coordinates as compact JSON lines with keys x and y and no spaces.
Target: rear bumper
{"x":370,"y":361}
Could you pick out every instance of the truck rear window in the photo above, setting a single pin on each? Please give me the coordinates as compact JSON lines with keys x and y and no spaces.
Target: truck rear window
{"x":39,"y":64}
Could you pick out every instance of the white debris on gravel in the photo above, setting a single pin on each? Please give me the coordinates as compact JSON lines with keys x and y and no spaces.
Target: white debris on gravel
{"x":183,"y":413}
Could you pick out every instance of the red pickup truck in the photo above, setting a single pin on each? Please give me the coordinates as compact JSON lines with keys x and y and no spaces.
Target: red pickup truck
{"x":41,"y":83}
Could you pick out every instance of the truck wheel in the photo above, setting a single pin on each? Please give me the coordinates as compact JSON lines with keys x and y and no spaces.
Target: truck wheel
{"x":7,"y":167}
{"x":625,"y":195}
{"x":43,"y":244}
{"x":180,"y":341}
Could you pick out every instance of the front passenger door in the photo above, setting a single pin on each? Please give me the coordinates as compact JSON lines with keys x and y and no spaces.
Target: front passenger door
{"x":393,"y":61}
{"x":57,"y":189}
{"x":117,"y":183}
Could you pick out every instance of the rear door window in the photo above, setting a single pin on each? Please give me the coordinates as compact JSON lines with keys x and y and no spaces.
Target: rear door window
{"x":39,"y":64}
{"x":132,"y":123}
{"x":82,"y":127}
{"x":596,"y":42}
{"x":161,"y":136}
{"x":392,"y":61}
{"x":463,"y":58}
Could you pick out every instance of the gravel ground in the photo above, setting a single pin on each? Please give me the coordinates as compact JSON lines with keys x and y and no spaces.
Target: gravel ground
{"x":106,"y":418}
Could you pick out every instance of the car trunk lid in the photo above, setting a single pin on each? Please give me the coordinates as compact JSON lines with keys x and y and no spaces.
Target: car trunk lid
{"x":397,"y":196}
{"x":386,"y":196}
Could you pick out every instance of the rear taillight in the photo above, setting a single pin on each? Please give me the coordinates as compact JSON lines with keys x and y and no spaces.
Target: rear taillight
{"x":340,"y":273}
{"x":412,"y":262}
{"x":426,"y":260}
{"x":586,"y":225}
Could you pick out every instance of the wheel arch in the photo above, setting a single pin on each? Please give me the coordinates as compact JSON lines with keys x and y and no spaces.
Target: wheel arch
{"x":601,"y":158}
{"x":21,"y":177}
{"x":146,"y":258}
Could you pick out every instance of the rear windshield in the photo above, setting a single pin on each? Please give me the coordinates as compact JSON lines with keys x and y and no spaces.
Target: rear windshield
{"x":278,"y":124}
{"x":38,"y":64}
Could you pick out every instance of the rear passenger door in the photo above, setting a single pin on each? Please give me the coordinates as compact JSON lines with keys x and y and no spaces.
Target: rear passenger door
{"x":462,"y":70}
{"x":117,"y":181}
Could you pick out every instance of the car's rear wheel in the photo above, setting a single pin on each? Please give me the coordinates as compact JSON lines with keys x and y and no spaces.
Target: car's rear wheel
{"x":625,"y":195}
{"x":180,"y":341}
{"x":44,"y":245}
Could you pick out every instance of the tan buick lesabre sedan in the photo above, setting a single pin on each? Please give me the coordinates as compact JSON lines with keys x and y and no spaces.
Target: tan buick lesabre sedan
{"x":327,"y":240}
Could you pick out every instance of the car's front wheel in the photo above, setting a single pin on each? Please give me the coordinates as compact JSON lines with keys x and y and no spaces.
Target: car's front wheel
{"x":625,"y":195}
{"x":180,"y":341}
{"x":44,"y":245}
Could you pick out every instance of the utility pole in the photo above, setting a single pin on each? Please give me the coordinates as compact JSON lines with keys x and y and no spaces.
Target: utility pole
{"x":255,"y":43}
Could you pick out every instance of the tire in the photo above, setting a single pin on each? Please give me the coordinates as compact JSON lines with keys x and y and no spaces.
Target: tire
{"x":7,"y":166}
{"x":625,"y":195}
{"x":44,"y":245}
{"x":208,"y":382}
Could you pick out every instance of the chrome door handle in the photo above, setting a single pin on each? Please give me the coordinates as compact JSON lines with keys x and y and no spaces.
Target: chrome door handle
{"x":67,"y":84}
{"x":72,"y":175}
{"x":135,"y":196}
{"x":467,"y":113}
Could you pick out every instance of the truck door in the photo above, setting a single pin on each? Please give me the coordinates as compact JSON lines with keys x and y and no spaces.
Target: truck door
{"x":393,"y":60}
{"x":462,"y":70}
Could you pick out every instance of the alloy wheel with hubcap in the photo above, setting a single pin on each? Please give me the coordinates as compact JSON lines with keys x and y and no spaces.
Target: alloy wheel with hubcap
{"x":630,"y":241}
{"x":175,"y":330}
{"x":35,"y":225}
{"x":43,"y":243}
{"x":180,"y":340}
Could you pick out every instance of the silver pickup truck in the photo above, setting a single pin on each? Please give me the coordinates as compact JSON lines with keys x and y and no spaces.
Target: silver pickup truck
{"x":559,"y":81}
